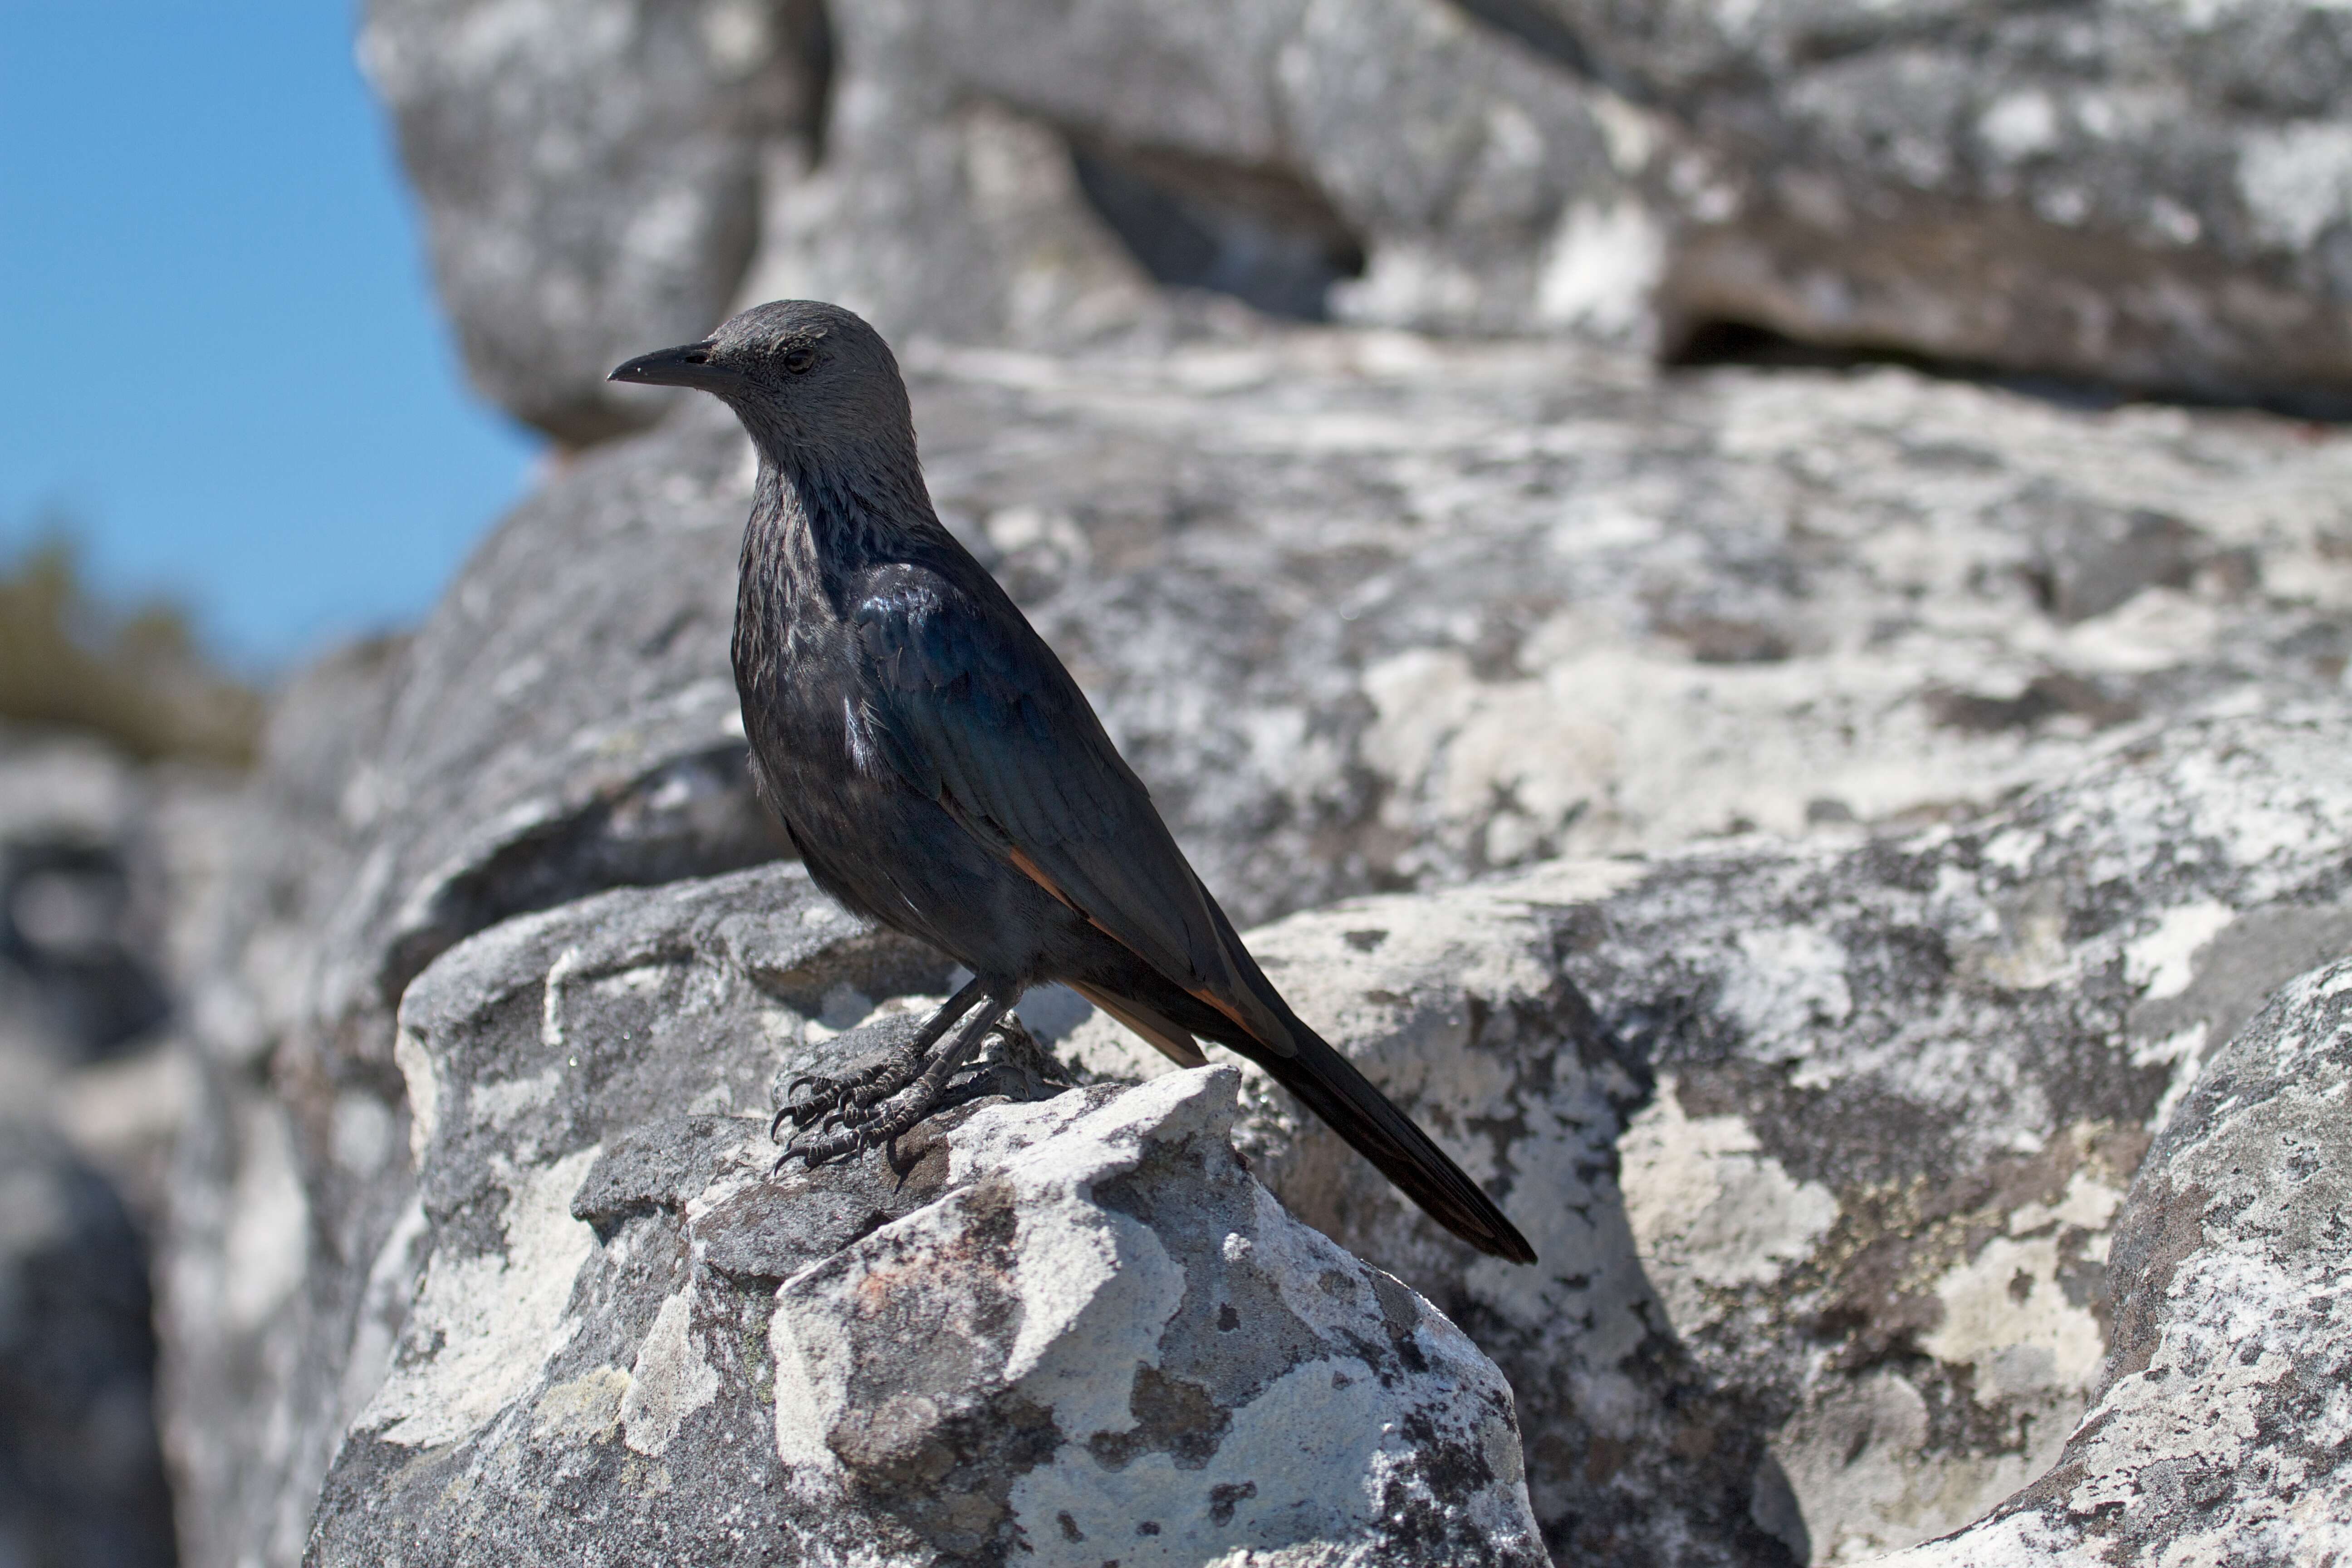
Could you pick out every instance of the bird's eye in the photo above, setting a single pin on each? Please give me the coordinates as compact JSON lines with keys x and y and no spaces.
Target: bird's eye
{"x":799,"y":360}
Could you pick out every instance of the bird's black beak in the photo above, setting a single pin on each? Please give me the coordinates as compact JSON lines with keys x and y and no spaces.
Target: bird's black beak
{"x":691,"y":364}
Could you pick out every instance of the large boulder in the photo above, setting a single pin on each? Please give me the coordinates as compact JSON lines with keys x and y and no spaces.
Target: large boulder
{"x":81,"y":1475}
{"x":589,"y":175}
{"x":1056,"y":1328}
{"x":983,"y":165}
{"x":2151,"y":197}
{"x":1367,"y":611}
{"x":2156,"y":197}
{"x":279,"y":1182}
{"x":1822,"y":1148}
{"x":2219,"y":1431}
{"x":89,"y":1097}
{"x":1371,"y":611}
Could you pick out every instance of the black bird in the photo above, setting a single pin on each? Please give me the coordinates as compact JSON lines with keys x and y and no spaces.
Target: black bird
{"x":941,"y":774}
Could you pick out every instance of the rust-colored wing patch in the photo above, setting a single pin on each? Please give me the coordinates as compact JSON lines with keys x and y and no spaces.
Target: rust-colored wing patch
{"x":1030,"y":870}
{"x":1163,"y":1034}
{"x":1204,"y":994}
{"x":1171,"y":1041}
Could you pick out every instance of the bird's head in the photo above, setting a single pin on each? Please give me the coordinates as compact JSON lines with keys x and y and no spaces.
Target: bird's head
{"x":805,"y":377}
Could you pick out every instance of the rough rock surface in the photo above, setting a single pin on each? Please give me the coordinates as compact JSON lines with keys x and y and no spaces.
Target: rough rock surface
{"x":2219,"y":1433}
{"x":589,"y":175}
{"x":2145,"y":196}
{"x":82,"y":1478}
{"x":1057,"y":1332}
{"x":1984,"y":752}
{"x":288,"y":1169}
{"x":1369,"y":611}
{"x":563,"y":724}
{"x":983,"y":163}
{"x":88,"y":1101}
{"x":2155,"y":195}
{"x":1822,"y":1148}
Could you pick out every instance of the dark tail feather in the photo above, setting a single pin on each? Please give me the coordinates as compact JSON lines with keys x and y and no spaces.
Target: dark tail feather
{"x":1333,"y":1089}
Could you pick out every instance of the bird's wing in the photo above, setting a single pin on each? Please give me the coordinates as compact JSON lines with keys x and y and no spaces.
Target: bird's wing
{"x":968,"y":704}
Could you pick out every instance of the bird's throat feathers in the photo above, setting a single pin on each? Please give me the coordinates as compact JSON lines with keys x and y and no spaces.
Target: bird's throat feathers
{"x":816,"y":528}
{"x":822,"y":519}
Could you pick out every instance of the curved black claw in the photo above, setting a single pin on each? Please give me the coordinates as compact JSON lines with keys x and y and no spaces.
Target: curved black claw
{"x":862,"y":1119}
{"x":827,"y":1092}
{"x":876,"y":1081}
{"x":816,"y":1147}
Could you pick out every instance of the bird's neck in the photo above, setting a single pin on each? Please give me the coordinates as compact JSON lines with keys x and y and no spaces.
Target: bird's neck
{"x":815,"y":525}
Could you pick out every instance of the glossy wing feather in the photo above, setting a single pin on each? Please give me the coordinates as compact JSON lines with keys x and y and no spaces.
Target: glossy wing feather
{"x":999,"y":734}
{"x":972,"y":708}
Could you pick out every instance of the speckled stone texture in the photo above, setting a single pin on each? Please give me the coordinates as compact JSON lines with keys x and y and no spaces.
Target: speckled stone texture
{"x":1058,"y":1329}
{"x":2145,"y":196}
{"x":589,"y":175}
{"x":2150,"y":194}
{"x":1473,"y":184}
{"x":1370,"y":612}
{"x":1822,"y":1148}
{"x":2221,"y":1430}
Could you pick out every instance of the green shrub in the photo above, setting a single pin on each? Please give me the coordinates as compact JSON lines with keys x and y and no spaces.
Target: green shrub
{"x":135,"y":676}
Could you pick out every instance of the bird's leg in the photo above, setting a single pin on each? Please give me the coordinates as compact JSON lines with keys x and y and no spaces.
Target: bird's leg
{"x":1023,"y":1070}
{"x":876,"y":1082}
{"x":918,"y":1099}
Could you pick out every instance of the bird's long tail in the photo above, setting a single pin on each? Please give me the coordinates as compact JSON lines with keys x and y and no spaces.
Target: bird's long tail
{"x":1332,"y":1089}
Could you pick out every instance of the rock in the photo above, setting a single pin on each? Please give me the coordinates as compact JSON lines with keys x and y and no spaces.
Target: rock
{"x":1823,"y":1148}
{"x":1372,"y":612}
{"x":86,"y":1103}
{"x":2140,"y":198}
{"x":81,"y":1480}
{"x":1464,"y":606}
{"x":979,"y":161}
{"x":588,"y":175}
{"x":2149,"y":197}
{"x":566,"y":720}
{"x":258,"y":1317}
{"x":1367,"y":611}
{"x":77,"y":899}
{"x":2217,"y":1432}
{"x":1058,"y":1329}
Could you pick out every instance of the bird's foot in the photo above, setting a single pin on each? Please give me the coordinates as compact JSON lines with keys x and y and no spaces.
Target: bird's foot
{"x":814,"y":1099}
{"x":1014,"y":1065}
{"x":870,"y":1115}
{"x":847,"y":1092}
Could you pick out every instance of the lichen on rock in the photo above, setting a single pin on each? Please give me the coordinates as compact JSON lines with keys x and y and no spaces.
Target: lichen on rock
{"x":1054,"y":1323}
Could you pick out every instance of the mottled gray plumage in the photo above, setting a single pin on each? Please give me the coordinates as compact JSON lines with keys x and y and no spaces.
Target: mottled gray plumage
{"x":941,"y":774}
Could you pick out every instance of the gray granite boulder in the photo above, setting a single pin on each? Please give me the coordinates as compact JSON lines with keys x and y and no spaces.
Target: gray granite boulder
{"x":1372,"y":612}
{"x":1461,"y":606}
{"x":2149,"y":195}
{"x":589,"y":175}
{"x":1054,"y":1329}
{"x":1368,"y":612}
{"x":1822,"y":1148}
{"x":88,"y":1098}
{"x":82,"y":1476}
{"x":1025,"y":171}
{"x":2140,"y":197}
{"x":2219,"y":1432}
{"x":563,"y":724}
{"x":279,"y":1179}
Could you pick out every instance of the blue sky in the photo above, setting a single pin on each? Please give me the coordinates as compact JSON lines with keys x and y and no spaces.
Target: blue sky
{"x":223,"y":359}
